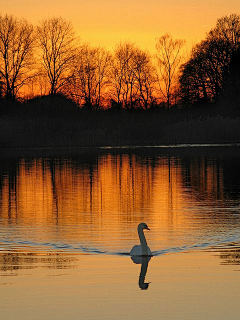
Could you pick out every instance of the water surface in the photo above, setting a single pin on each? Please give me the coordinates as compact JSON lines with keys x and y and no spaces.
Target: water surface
{"x":68,"y":221}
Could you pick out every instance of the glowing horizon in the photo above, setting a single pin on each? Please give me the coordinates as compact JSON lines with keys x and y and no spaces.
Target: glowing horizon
{"x":105,"y":23}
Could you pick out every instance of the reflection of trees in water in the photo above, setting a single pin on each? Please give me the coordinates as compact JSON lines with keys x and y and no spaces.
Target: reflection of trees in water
{"x":232,"y":178}
{"x":230,"y":256}
{"x":204,"y":178}
{"x":124,"y":182}
{"x":96,"y":195}
{"x":88,"y":179}
{"x":210,"y":179}
{"x":13,"y":261}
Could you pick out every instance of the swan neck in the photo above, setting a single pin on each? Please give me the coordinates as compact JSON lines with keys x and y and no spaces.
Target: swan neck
{"x":143,"y":242}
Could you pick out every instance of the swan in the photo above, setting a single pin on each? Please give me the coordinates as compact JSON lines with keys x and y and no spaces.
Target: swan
{"x":143,"y":249}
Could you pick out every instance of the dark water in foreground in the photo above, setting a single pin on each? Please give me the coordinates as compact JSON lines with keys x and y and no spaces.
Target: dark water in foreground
{"x":68,"y":221}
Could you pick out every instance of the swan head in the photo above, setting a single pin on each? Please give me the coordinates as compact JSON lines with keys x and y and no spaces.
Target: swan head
{"x":143,"y":226}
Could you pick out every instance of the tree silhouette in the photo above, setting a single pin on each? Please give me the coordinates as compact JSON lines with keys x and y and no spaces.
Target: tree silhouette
{"x":50,"y":60}
{"x":57,"y":42}
{"x":16,"y":54}
{"x":90,"y":77}
{"x":203,"y":77}
{"x":168,"y":58}
{"x":133,"y":77}
{"x":122,"y":74}
{"x":145,"y":78}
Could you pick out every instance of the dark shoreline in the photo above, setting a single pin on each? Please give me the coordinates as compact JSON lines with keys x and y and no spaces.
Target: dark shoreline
{"x":228,"y":150}
{"x":48,"y":133}
{"x":54,"y":122}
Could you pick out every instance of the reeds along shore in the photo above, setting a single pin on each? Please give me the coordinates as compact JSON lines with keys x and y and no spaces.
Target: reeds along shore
{"x":54,"y":121}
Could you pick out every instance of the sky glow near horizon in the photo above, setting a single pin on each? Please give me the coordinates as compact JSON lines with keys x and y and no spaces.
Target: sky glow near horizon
{"x":107,"y":22}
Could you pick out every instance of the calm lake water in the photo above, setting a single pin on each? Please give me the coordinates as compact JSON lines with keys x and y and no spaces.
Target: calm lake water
{"x":68,"y":220}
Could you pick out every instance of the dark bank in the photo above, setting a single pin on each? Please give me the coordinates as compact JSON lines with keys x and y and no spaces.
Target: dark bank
{"x":54,"y":121}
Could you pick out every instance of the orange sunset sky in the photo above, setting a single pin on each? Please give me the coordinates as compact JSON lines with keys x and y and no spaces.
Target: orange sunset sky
{"x":107,"y":22}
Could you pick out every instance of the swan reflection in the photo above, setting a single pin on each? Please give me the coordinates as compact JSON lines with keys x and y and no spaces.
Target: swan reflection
{"x":144,"y":261}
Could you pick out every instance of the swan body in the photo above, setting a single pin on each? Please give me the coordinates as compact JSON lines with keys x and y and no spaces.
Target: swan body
{"x":137,"y":251}
{"x":142,"y":249}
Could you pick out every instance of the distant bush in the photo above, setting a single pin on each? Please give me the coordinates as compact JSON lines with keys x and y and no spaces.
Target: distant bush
{"x":50,"y":105}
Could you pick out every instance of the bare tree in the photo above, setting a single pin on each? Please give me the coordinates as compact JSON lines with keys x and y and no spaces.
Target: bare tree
{"x":168,"y":58}
{"x":90,"y":78}
{"x":104,"y":59}
{"x":227,"y":29}
{"x":145,"y":78}
{"x":133,"y":77}
{"x":57,"y":42}
{"x":122,"y":74}
{"x":85,"y":75}
{"x":16,"y":49}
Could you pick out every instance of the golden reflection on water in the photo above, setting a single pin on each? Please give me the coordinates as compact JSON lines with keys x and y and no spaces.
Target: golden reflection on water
{"x":230,"y":256}
{"x":41,"y":188}
{"x":13,"y":261}
{"x":206,"y":179}
{"x":99,"y":201}
{"x":50,"y":206}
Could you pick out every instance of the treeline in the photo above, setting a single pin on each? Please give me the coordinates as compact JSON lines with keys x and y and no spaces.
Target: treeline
{"x":49,"y":59}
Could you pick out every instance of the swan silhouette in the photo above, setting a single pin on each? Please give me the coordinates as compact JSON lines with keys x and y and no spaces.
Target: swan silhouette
{"x":142,"y":249}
